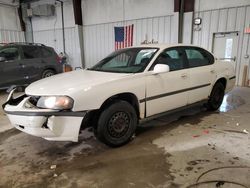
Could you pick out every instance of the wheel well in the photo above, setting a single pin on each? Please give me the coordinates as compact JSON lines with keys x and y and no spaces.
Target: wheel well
{"x":52,"y":69}
{"x":128,"y":97}
{"x":223,"y":81}
{"x":92,"y":116}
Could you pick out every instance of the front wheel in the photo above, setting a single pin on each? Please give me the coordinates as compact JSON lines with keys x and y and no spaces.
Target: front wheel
{"x":116,"y":124}
{"x":216,"y":97}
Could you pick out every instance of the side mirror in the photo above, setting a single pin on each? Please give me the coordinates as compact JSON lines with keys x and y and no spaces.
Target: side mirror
{"x":2,"y":59}
{"x":160,"y":68}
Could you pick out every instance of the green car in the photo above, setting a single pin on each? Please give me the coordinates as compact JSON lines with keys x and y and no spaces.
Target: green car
{"x":24,"y":63}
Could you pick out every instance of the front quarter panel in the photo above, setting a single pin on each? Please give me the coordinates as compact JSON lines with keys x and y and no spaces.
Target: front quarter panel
{"x":91,"y":98}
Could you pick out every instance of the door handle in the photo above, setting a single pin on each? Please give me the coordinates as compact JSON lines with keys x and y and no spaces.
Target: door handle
{"x":184,"y":75}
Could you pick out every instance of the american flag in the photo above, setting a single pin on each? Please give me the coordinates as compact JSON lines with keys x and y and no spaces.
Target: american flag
{"x":124,"y":36}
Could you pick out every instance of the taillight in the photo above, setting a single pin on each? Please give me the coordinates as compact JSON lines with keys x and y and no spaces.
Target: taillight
{"x":58,"y":59}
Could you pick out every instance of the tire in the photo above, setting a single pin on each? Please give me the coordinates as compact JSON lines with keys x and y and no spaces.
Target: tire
{"x":216,"y":97}
{"x":48,"y":73}
{"x":116,"y":124}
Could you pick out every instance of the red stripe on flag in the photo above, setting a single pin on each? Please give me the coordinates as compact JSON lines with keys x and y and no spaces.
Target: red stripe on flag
{"x":130,"y":35}
{"x":132,"y":32}
{"x":128,"y":38}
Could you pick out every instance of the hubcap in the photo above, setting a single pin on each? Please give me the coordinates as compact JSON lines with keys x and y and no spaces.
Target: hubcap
{"x":118,"y":124}
{"x":48,"y":74}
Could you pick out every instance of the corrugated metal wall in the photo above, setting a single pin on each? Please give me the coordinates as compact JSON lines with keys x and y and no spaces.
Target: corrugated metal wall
{"x":48,"y":31}
{"x":9,"y":25}
{"x":225,"y":20}
{"x":53,"y":38}
{"x":11,"y":36}
{"x":99,"y":38}
{"x":98,"y":31}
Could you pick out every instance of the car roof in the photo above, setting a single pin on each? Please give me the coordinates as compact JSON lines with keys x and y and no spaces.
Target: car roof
{"x":163,"y":45}
{"x":25,"y":44}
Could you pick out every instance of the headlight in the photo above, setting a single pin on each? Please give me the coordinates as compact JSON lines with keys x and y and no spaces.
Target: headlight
{"x":55,"y":102}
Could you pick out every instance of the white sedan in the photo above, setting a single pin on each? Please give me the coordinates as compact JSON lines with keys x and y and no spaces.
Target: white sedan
{"x":114,"y":96}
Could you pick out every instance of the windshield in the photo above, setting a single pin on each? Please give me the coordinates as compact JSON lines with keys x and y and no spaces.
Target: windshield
{"x":131,"y":60}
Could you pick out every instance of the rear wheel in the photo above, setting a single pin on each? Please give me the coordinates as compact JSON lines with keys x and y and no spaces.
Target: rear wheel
{"x":48,"y":73}
{"x":216,"y":97}
{"x":116,"y":124}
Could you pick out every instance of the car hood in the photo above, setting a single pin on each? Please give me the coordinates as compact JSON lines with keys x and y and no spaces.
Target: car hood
{"x":66,"y":83}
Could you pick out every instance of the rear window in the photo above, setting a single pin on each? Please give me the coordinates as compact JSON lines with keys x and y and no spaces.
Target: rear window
{"x":46,"y":52}
{"x":198,"y":57}
{"x":31,"y":52}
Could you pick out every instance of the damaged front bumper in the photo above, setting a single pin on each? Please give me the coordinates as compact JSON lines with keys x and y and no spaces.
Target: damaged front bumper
{"x":46,"y":123}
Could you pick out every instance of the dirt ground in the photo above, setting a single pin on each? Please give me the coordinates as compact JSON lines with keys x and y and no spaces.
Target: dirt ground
{"x":191,"y":148}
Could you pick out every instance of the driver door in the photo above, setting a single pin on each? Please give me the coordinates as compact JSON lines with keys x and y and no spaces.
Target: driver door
{"x":167,"y":91}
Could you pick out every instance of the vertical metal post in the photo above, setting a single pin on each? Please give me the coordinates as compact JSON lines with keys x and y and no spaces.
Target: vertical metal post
{"x":31,"y":27}
{"x":79,"y":25}
{"x":27,"y":21}
{"x":63,"y":29}
{"x":181,"y":15}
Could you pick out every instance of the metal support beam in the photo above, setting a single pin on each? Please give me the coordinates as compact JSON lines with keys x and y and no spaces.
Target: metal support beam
{"x":78,"y":21}
{"x":63,"y":28}
{"x":20,"y":15}
{"x":181,"y":16}
{"x":77,"y":11}
{"x":182,"y":6}
{"x":28,"y":23}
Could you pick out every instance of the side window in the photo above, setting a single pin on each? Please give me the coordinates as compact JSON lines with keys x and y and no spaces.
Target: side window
{"x":10,"y":53}
{"x":31,"y":52}
{"x":46,"y":52}
{"x":173,"y":58}
{"x":197,"y":57}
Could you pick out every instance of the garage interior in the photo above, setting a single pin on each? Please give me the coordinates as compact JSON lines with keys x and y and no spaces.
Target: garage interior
{"x":190,"y":148}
